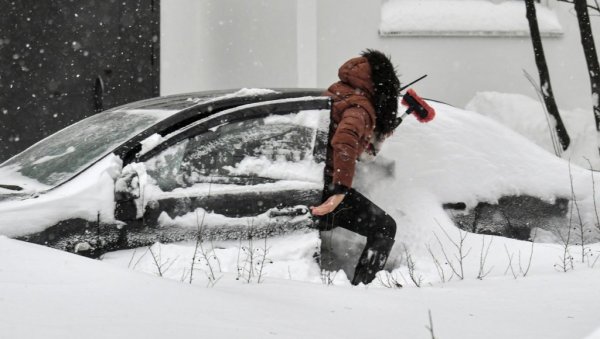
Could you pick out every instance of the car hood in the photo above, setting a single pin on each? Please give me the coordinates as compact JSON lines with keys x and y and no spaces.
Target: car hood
{"x":7,"y":196}
{"x":87,"y":196}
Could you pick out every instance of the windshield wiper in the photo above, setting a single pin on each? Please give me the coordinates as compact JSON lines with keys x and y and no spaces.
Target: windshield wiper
{"x":11,"y":187}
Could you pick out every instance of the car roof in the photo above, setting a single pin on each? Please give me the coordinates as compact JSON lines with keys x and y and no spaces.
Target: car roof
{"x":186,"y":100}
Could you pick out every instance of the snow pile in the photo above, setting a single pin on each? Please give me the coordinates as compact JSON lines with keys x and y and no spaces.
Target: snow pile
{"x":158,"y":114}
{"x":244,"y":92}
{"x":153,"y":192}
{"x":150,"y":142}
{"x":304,"y":118}
{"x":303,"y":170}
{"x":202,"y":219}
{"x":527,"y":117}
{"x":462,"y":17}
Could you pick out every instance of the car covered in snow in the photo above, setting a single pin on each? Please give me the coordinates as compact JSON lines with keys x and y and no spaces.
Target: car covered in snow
{"x":221,"y":164}
{"x":247,"y":164}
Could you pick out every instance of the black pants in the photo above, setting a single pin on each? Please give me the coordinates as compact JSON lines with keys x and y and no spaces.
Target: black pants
{"x":358,"y":214}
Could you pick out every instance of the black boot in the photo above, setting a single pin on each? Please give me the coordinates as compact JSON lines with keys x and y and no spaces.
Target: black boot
{"x":372,"y":259}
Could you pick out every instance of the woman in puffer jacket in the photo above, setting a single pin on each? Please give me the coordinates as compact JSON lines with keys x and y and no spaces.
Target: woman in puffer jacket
{"x":365,"y":102}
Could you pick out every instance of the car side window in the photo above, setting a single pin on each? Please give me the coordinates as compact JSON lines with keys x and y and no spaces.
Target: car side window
{"x":251,"y":151}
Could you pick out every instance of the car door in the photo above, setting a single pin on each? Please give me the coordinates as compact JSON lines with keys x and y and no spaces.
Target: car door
{"x":245,"y":172}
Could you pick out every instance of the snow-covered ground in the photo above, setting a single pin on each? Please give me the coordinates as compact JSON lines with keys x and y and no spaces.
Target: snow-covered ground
{"x":276,"y":289}
{"x":46,"y":293}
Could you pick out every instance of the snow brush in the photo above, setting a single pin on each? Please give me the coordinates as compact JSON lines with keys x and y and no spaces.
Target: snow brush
{"x":415,"y":104}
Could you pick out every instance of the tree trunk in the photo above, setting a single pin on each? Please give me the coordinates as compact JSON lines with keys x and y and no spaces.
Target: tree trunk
{"x":591,"y":57}
{"x":540,"y":60}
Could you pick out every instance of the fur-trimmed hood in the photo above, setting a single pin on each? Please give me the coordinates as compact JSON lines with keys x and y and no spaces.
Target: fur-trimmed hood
{"x":386,"y":88}
{"x":374,"y":74}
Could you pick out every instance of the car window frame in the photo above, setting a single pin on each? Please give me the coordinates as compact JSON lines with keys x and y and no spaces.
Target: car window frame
{"x":240,"y":113}
{"x":127,"y":150}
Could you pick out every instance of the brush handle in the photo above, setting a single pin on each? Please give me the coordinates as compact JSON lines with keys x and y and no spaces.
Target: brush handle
{"x":406,"y":86}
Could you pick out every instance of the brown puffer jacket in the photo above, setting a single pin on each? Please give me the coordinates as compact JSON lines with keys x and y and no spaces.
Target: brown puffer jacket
{"x":353,"y":121}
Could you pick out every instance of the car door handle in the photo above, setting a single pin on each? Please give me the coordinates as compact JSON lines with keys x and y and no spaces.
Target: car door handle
{"x":289,"y":211}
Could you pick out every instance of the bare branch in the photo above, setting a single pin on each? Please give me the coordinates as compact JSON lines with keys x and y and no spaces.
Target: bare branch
{"x":328,"y":277}
{"x":510,"y":266}
{"x":460,"y":257}
{"x":594,"y":193}
{"x":161,"y":267}
{"x":581,"y":225}
{"x":551,"y":131}
{"x":448,"y":261}
{"x":263,"y":260}
{"x":526,"y":271}
{"x":199,"y":249}
{"x":199,"y":226}
{"x":131,"y":259}
{"x":430,"y":327}
{"x":140,"y":258}
{"x":566,"y":258}
{"x":594,"y":7}
{"x":483,"y":257}
{"x":386,"y":279}
{"x":411,"y":265}
{"x":438,"y":266}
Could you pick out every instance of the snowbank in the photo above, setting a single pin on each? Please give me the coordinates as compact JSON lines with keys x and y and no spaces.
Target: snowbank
{"x":463,"y":156}
{"x":527,"y":117}
{"x":45,"y":293}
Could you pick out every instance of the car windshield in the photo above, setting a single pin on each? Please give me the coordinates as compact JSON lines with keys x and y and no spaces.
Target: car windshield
{"x":65,"y":153}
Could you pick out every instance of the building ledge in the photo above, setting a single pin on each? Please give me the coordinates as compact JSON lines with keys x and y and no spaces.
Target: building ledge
{"x":463,"y":18}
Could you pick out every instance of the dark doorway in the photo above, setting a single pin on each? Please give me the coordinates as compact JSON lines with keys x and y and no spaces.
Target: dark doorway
{"x":64,"y":60}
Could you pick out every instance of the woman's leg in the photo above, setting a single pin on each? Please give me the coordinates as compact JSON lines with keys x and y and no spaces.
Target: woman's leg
{"x":358,"y":214}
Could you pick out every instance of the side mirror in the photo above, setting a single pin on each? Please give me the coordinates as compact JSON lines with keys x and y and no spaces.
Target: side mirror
{"x":127,"y":186}
{"x":128,"y":192}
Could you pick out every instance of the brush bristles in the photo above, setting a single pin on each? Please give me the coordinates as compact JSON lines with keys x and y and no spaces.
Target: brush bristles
{"x":416,"y":105}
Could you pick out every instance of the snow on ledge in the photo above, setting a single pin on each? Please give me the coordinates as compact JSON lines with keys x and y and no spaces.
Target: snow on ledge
{"x":463,"y":18}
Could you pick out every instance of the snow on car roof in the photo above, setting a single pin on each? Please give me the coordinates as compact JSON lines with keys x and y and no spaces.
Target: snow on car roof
{"x":187,"y":100}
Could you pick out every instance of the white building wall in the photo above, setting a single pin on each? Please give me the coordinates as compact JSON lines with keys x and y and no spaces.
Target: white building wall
{"x":458,"y":67}
{"x":217,"y":44}
{"x":307,"y":43}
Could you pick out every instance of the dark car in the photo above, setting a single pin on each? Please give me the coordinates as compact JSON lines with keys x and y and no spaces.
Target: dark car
{"x":220,"y":165}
